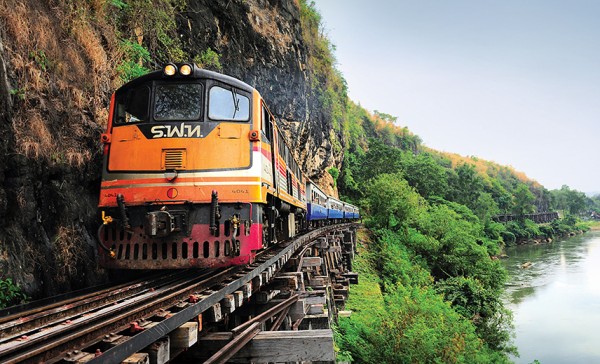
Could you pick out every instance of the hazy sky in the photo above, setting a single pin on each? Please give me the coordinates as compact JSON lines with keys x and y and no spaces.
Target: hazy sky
{"x":512,"y":81}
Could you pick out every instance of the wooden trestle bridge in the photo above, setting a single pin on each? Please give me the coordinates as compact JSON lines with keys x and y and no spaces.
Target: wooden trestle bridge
{"x":278,"y":309}
{"x":539,"y":218}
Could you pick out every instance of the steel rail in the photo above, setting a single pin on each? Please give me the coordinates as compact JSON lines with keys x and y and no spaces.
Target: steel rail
{"x":42,"y":317}
{"x":107,"y":319}
{"x":32,"y":308}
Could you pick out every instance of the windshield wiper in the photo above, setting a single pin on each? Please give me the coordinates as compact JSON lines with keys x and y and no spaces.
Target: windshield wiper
{"x":236,"y":102}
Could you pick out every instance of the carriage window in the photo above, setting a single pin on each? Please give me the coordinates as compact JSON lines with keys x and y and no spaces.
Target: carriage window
{"x":178,"y":102}
{"x":228,"y":105}
{"x":132,"y":107}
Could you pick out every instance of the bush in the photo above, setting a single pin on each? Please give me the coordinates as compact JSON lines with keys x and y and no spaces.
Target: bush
{"x":132,"y":65}
{"x":209,"y":59}
{"x":10,"y":293}
{"x":509,"y":238}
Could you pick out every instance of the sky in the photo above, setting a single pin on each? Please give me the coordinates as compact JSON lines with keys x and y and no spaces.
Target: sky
{"x":512,"y":81}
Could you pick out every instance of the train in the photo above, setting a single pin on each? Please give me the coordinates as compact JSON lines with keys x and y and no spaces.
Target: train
{"x":196,"y":173}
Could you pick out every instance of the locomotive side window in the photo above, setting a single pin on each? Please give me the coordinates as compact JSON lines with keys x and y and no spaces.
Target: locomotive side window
{"x":227,"y":105}
{"x":267,"y":124}
{"x":178,"y":101}
{"x":132,"y":107}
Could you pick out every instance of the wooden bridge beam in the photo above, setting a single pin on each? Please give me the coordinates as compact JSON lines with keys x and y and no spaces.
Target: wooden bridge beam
{"x":276,"y":346}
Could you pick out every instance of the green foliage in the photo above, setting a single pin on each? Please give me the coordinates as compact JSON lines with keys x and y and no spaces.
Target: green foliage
{"x":209,"y":59}
{"x":10,"y":293}
{"x":484,"y":307}
{"x":119,"y":4}
{"x":379,"y":159}
{"x":523,"y":201}
{"x":494,"y":230}
{"x":40,"y":58}
{"x":485,"y":207}
{"x":132,"y":64}
{"x":392,"y":202}
{"x":154,"y":22}
{"x":465,"y":185}
{"x":571,"y":201}
{"x":425,"y":175}
{"x":408,"y":321}
{"x":335,"y":173}
{"x":394,"y":262}
{"x":386,"y":117}
{"x":460,"y":248}
{"x":19,"y":93}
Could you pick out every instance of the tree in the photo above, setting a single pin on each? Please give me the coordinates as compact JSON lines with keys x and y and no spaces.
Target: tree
{"x":425,"y":175}
{"x":465,"y":185}
{"x":485,"y":207}
{"x":392,"y":202}
{"x":571,"y":201}
{"x":386,"y":117}
{"x":379,"y":159}
{"x":523,"y":201}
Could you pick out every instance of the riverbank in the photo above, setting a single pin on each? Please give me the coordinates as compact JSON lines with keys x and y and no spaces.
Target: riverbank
{"x":526,"y":232}
{"x":594,"y":225}
{"x":542,"y":239}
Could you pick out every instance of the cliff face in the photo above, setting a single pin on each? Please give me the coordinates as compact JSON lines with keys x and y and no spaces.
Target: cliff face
{"x":57,"y":70}
{"x":261,"y":43}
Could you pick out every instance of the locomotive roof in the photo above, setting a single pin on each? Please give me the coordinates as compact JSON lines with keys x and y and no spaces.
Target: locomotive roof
{"x":198,"y":73}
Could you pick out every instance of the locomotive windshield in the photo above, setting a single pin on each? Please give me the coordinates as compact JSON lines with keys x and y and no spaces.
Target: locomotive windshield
{"x":227,"y":105}
{"x":178,"y":101}
{"x":132,"y":106}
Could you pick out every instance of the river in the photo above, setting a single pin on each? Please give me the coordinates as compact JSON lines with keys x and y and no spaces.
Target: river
{"x":556,"y":301}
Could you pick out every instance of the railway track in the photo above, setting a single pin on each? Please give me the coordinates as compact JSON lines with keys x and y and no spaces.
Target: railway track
{"x":81,"y":328}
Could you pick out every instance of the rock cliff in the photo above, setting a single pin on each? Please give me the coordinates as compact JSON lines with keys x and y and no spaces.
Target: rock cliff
{"x":261,"y":42}
{"x":58,"y":67}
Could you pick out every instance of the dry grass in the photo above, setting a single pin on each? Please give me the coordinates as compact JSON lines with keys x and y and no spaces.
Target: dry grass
{"x":78,"y":158}
{"x":68,"y":250}
{"x":61,"y":70}
{"x":32,"y":135}
{"x":87,"y":38}
{"x":16,"y":20}
{"x":101,"y":116}
{"x":40,"y":131}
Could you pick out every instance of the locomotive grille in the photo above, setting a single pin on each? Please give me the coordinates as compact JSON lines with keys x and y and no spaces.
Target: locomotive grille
{"x":173,"y":159}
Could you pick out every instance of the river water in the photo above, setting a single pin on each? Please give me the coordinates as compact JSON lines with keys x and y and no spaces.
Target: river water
{"x":556,"y":301}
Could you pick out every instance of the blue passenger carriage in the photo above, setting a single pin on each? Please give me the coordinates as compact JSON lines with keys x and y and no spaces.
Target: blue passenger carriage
{"x":335,"y":209}
{"x":316,"y":203}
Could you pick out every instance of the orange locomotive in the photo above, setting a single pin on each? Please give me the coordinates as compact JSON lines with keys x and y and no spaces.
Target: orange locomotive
{"x":196,"y":173}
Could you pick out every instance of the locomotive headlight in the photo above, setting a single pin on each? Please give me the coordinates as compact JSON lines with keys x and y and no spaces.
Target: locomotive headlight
{"x":170,"y":69}
{"x":185,"y":70}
